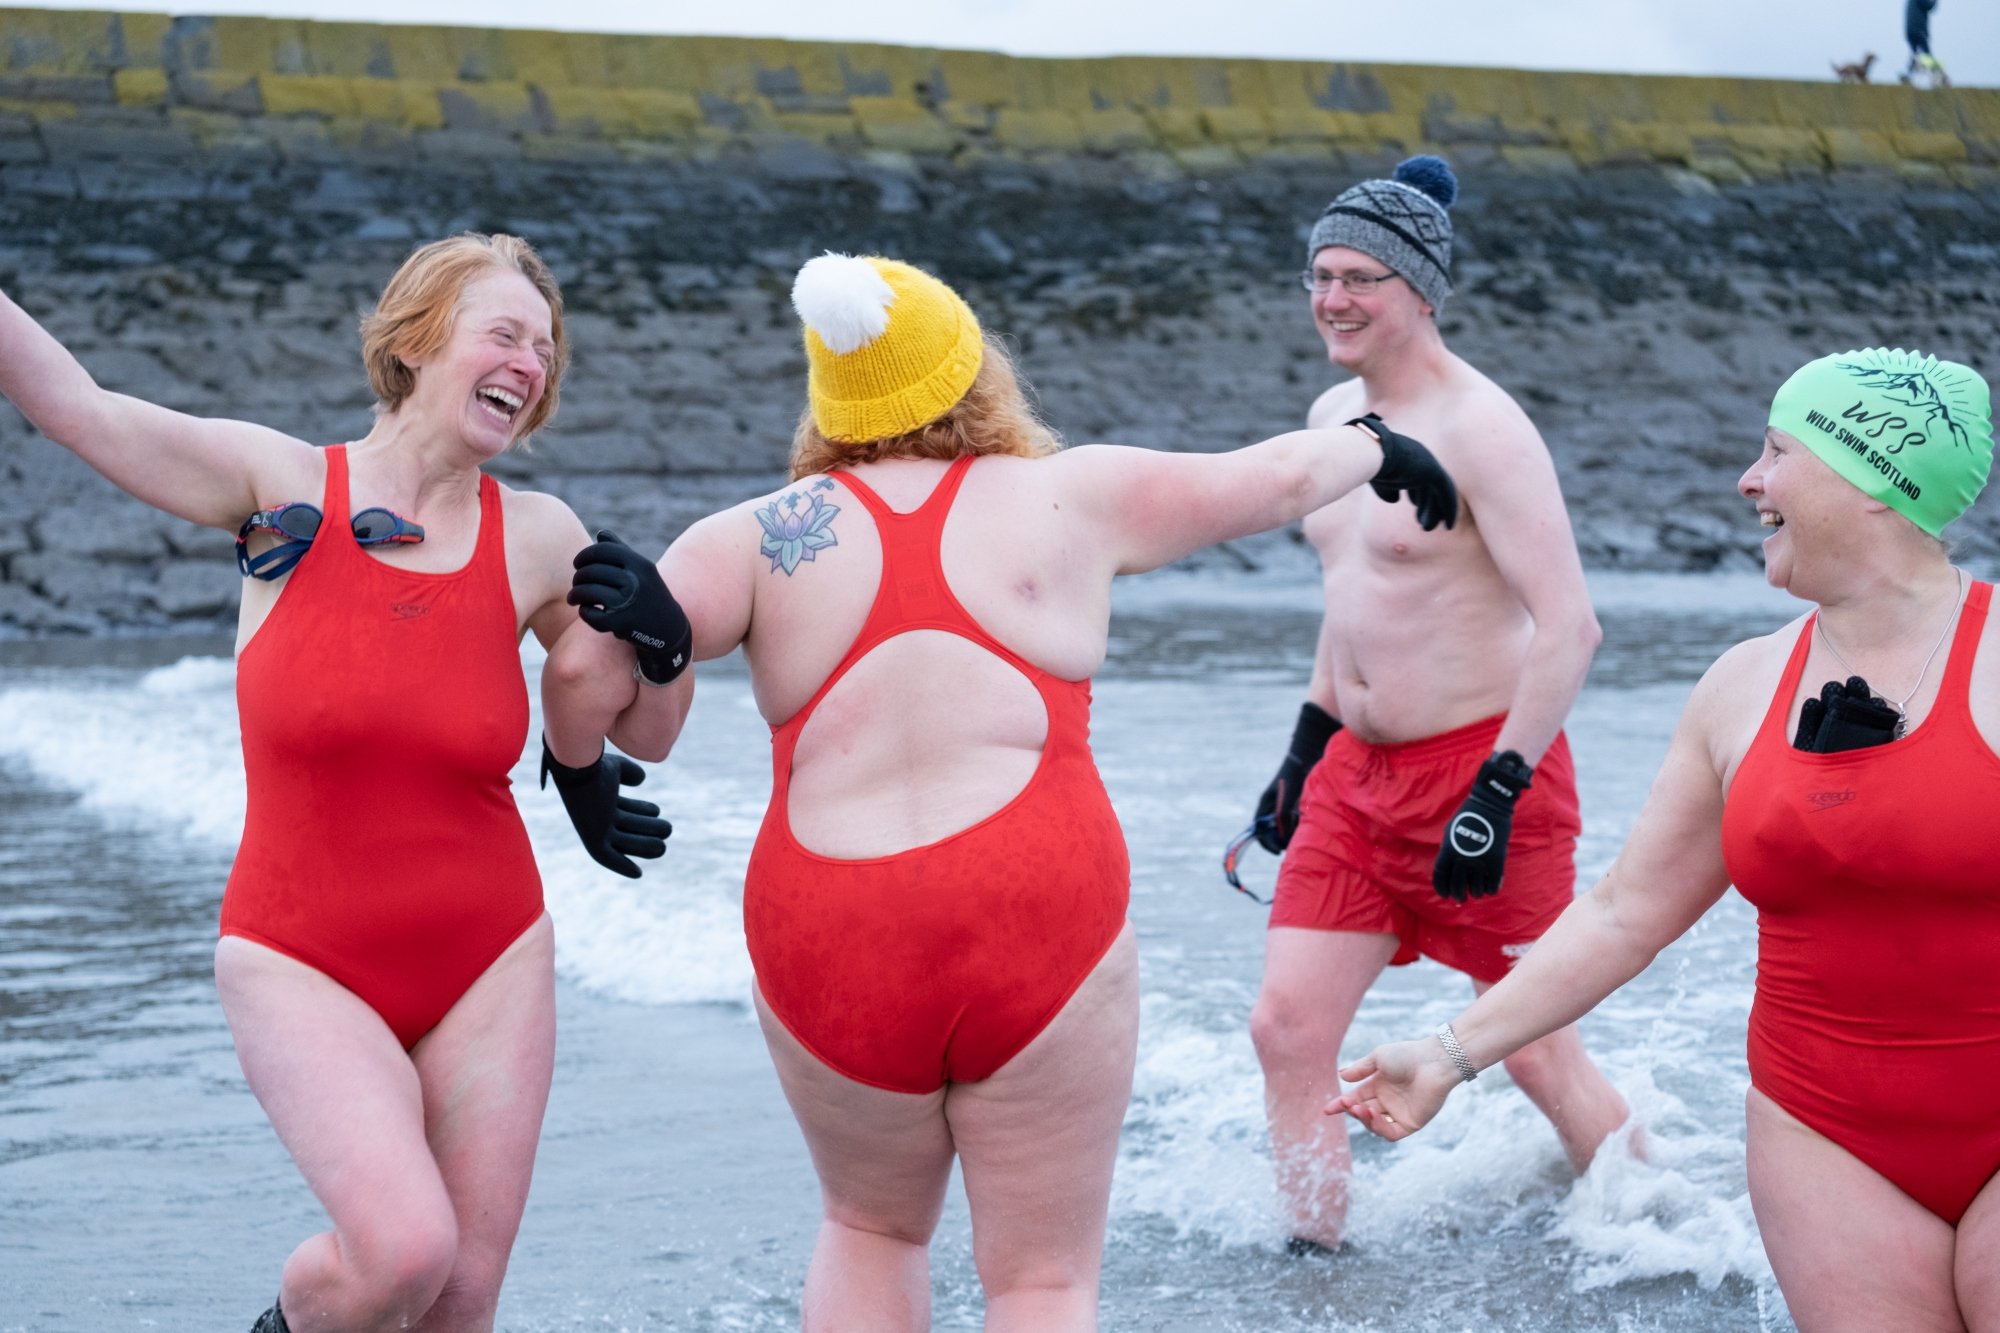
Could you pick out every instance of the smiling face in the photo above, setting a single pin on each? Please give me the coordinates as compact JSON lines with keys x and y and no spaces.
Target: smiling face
{"x":1362,"y":332}
{"x":492,"y":371}
{"x":1812,"y":511}
{"x":469,"y":305}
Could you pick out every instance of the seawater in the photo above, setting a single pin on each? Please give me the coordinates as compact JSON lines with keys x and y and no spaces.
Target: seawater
{"x":1476,"y":1223}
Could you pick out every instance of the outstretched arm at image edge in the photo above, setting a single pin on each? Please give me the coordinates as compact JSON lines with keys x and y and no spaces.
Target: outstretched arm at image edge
{"x":211,"y":472}
{"x":1669,"y":873}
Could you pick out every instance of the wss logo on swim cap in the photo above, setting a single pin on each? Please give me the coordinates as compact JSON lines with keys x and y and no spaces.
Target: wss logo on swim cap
{"x":1470,"y":834}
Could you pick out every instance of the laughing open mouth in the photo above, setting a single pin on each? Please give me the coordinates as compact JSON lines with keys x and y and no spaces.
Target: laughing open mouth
{"x":501,"y":404}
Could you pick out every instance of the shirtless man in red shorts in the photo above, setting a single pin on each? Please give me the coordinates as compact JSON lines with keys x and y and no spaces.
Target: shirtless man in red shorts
{"x":1428,"y":800}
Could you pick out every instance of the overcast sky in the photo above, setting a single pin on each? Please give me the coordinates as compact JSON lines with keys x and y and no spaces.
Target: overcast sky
{"x":1782,"y":38}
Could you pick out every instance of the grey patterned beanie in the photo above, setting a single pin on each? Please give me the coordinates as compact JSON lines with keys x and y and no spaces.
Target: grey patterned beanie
{"x":1402,"y":222}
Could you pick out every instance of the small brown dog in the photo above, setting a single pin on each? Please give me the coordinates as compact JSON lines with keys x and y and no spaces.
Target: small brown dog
{"x":1858,"y":71}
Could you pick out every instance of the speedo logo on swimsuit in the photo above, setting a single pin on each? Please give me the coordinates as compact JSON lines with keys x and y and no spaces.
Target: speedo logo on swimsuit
{"x":408,"y":610}
{"x":1828,"y":800}
{"x":1514,"y":953}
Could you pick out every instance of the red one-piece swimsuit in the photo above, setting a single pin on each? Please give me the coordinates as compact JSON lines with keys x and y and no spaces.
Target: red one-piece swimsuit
{"x":939,"y":963}
{"x":382,"y":710}
{"x":1876,"y":878}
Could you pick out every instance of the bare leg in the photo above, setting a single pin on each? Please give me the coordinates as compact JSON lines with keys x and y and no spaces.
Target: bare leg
{"x":485,"y":1072}
{"x":1038,"y":1141}
{"x":883,"y":1160}
{"x":1976,"y":1262}
{"x":1559,"y":1077}
{"x":351,"y":1107}
{"x":1850,"y":1250}
{"x":1313,"y":983}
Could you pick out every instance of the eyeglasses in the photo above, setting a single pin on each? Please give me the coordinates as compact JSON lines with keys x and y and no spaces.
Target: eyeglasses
{"x":1320,"y":282}
{"x":1234,"y":853}
{"x":297,"y":523}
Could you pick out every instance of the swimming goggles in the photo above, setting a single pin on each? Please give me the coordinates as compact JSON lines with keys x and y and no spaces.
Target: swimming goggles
{"x":297,"y":523}
{"x":1234,"y":853}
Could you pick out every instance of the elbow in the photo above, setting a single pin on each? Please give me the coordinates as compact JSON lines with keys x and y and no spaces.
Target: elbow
{"x":1589,"y":634}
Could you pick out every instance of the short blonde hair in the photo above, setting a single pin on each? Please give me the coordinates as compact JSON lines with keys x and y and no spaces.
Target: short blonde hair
{"x":994,"y":417}
{"x":420,"y":305}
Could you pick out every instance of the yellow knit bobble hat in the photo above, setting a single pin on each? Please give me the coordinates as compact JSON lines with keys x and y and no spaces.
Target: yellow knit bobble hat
{"x":889,"y":348}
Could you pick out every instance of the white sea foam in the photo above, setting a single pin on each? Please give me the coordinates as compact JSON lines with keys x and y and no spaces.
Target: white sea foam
{"x":161,"y":753}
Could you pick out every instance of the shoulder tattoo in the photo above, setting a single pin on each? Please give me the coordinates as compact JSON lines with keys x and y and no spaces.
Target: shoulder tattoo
{"x":797,"y":527}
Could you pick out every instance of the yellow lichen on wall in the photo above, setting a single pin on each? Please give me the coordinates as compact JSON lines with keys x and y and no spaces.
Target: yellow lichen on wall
{"x":1207,"y":114}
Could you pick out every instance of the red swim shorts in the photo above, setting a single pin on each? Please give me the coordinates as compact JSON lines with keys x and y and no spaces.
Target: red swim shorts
{"x":1370,"y":821}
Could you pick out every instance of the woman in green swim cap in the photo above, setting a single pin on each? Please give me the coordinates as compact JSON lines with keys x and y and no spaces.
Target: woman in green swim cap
{"x":1863,"y":830}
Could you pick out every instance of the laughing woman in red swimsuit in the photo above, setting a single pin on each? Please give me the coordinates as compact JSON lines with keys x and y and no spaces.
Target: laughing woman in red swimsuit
{"x":385,"y":964}
{"x":935,"y":906}
{"x":1858,"y":817}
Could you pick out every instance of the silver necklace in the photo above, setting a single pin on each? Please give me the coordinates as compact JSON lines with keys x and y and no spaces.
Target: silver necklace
{"x":1902,"y":718}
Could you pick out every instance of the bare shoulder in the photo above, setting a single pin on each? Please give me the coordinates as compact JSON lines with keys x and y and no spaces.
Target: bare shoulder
{"x":1481,"y":411}
{"x":541,"y":518}
{"x":1343,"y":402}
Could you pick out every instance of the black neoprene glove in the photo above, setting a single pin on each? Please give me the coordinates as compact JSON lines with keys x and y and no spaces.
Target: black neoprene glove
{"x":1847,"y":717}
{"x":1278,"y":808}
{"x":620,"y":592}
{"x":1474,"y":854}
{"x":1408,"y":466}
{"x":614,"y":828}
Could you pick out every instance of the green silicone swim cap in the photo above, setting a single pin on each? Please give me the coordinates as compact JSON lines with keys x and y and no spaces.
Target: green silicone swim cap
{"x":1909,"y":430}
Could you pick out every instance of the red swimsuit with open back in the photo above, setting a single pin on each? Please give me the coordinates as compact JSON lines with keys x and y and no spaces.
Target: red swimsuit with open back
{"x":382,"y":709}
{"x":1876,"y":878}
{"x":939,"y":963}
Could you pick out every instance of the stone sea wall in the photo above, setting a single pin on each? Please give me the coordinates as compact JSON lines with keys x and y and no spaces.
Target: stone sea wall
{"x":202,"y":208}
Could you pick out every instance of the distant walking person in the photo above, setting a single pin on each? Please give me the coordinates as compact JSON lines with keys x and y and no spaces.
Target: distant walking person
{"x":1446,"y":663}
{"x":1917,"y":32}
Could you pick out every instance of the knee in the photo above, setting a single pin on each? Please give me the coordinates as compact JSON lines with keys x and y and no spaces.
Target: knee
{"x":902,"y":1230}
{"x":406,"y":1265}
{"x":1543,"y":1069}
{"x":1285,"y":1031}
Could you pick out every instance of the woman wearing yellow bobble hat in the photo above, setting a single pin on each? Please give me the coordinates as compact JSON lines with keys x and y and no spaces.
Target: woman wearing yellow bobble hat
{"x":935,"y":906}
{"x":1858,"y":817}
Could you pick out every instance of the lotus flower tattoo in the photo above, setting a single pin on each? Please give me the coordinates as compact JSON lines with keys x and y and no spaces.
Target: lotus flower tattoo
{"x":797,"y":527}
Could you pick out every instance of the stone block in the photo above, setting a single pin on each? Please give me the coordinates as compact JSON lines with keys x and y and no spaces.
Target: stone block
{"x":1772,"y":149}
{"x":183,"y":589}
{"x":1929,"y":146}
{"x":1307,"y":124}
{"x":1241,"y":127}
{"x":139,"y":87}
{"x":1626,"y":141}
{"x":217,"y":90}
{"x":1405,"y":132}
{"x":1542,"y":161}
{"x":660,"y":114}
{"x":1117,"y":130}
{"x":1038,"y":131}
{"x":900,"y":125}
{"x":307,"y":95}
{"x":408,"y":103}
{"x":587,"y":110}
{"x":488,"y":108}
{"x":1858,"y":149}
{"x":73,"y":139}
{"x":1177,"y":127}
